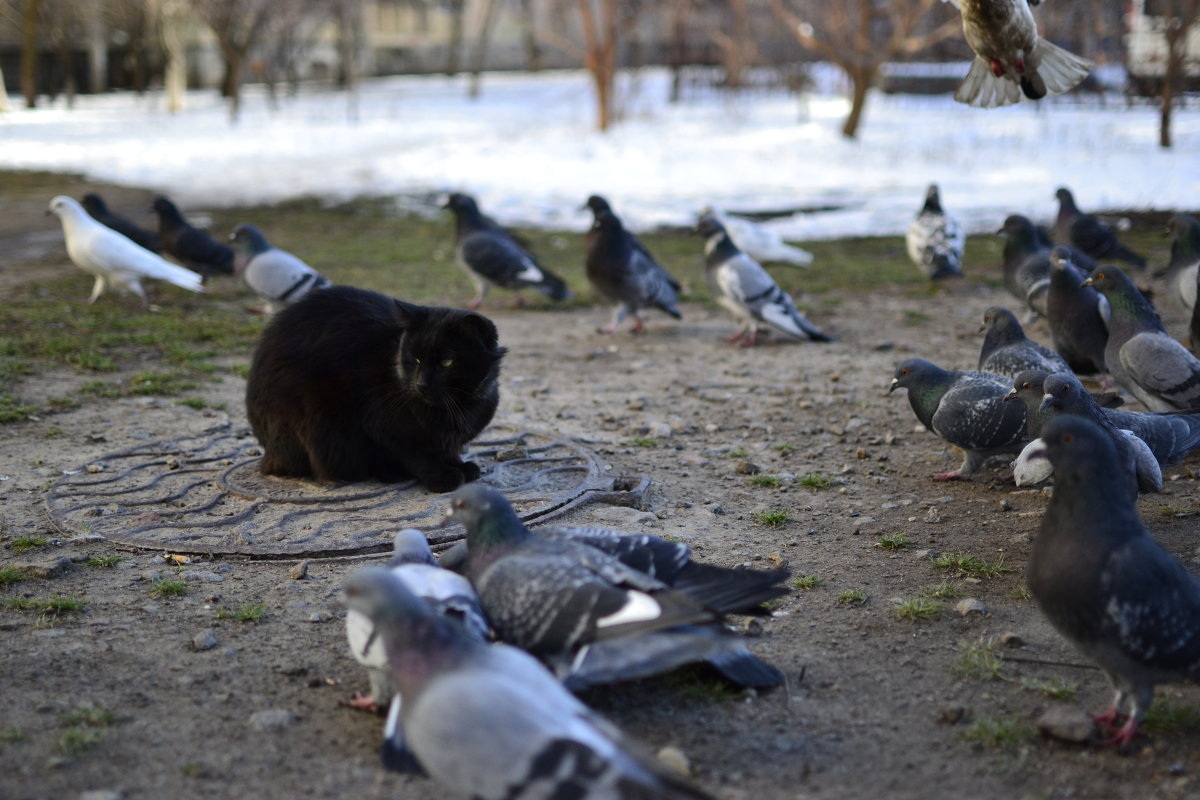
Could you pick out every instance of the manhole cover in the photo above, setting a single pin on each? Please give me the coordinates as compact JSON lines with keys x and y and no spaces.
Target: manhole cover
{"x":204,"y":494}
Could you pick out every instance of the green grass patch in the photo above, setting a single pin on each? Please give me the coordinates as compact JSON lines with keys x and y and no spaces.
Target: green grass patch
{"x":852,"y":597}
{"x":643,"y":441}
{"x":737,"y":452}
{"x":10,"y":734}
{"x":998,"y":732}
{"x":815,"y":480}
{"x":1056,"y":689}
{"x":971,"y":566}
{"x":199,"y":403}
{"x":247,"y":612}
{"x":698,"y":683}
{"x":168,"y":587}
{"x":103,"y":562}
{"x":785,"y":448}
{"x":52,"y":609}
{"x":74,"y":742}
{"x":92,"y":716}
{"x":10,"y":574}
{"x":773,"y":519}
{"x":1166,"y":716}
{"x":978,"y":660}
{"x":946,"y":590}
{"x":894,"y":541}
{"x":916,"y":609}
{"x":25,"y":544}
{"x":12,"y":409}
{"x":807,"y":582}
{"x":763,"y":481}
{"x":1020,"y":593}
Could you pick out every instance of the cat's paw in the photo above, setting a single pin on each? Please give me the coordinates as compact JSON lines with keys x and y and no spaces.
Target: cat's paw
{"x":470,"y":471}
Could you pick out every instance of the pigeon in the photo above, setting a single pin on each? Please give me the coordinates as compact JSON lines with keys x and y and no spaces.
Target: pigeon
{"x":1026,"y":264}
{"x":489,"y":721}
{"x":1089,"y":233}
{"x":1007,"y":352}
{"x":96,"y":206}
{"x":1010,"y":58}
{"x":623,"y":272}
{"x":935,"y":240}
{"x":492,"y":257}
{"x":114,"y":259}
{"x":1105,"y":584}
{"x":275,"y":275}
{"x":598,"y":205}
{"x":191,"y":246}
{"x":741,"y":285}
{"x":758,"y":241}
{"x":1077,"y":314}
{"x":967,"y":409}
{"x":1181,"y":271}
{"x":1141,"y":356}
{"x":1030,"y":388}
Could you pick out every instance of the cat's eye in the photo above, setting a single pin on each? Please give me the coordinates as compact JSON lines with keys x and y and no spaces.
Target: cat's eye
{"x":417,"y":361}
{"x":446,"y":362}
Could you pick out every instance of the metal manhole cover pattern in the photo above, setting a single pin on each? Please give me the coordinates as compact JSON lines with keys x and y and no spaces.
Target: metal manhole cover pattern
{"x":204,"y":494}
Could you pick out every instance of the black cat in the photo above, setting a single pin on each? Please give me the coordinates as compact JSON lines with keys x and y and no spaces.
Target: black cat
{"x":349,"y":384}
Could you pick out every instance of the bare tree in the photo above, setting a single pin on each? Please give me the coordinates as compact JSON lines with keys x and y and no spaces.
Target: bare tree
{"x":4,"y":104}
{"x":860,"y":36}
{"x":737,"y":47}
{"x":29,"y":52}
{"x":533,"y":48}
{"x":458,"y":11}
{"x":237,"y":25}
{"x":479,"y":56}
{"x":1179,"y":18}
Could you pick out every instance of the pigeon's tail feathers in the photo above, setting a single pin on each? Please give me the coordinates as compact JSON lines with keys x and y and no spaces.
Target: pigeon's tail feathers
{"x":796,"y":256}
{"x":553,"y":286}
{"x":669,"y":308}
{"x":171,"y":273}
{"x":643,"y":656}
{"x":784,"y":317}
{"x":1058,"y":70}
{"x":731,"y":591}
{"x":394,"y":752}
{"x":742,"y":667}
{"x":983,"y":89}
{"x":943,"y":265}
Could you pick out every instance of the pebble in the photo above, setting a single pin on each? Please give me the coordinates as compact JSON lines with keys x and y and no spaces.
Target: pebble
{"x":746,"y":468}
{"x":675,"y":760}
{"x":932,"y":515}
{"x":1067,"y":723}
{"x":205,"y":640}
{"x":970,"y":605}
{"x":201,"y":575}
{"x":102,"y":794}
{"x":1011,"y":640}
{"x":951,"y":715}
{"x":93,"y":469}
{"x":271,"y":719}
{"x":298,"y":571}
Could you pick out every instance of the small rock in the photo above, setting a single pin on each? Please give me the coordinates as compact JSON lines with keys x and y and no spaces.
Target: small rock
{"x":512,"y":454}
{"x":1005,"y":505}
{"x":172,"y":462}
{"x":45,"y":569}
{"x":298,"y":571}
{"x":746,"y":468}
{"x":318,"y":616}
{"x":932,"y":515}
{"x":970,"y":605}
{"x":885,"y":346}
{"x":675,"y":760}
{"x":1011,"y":640}
{"x":205,"y":640}
{"x":202,"y":575}
{"x":271,"y":719}
{"x":951,"y":715}
{"x":102,"y":794}
{"x":712,"y":427}
{"x":927,"y":554}
{"x":93,"y":469}
{"x":1067,"y":723}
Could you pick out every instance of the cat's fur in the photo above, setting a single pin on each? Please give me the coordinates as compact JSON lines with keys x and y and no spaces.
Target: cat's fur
{"x":349,"y":384}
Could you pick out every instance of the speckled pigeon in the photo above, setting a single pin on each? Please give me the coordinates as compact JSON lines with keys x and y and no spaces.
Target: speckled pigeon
{"x":1006,"y":351}
{"x":1010,"y":58}
{"x":624,"y":273}
{"x":490,"y":256}
{"x":1141,"y":356}
{"x":1105,"y":584}
{"x":761,"y":243}
{"x":488,"y":721}
{"x":1089,"y":233}
{"x":95,"y":205}
{"x":114,"y":259}
{"x":1026,"y":264}
{"x":740,"y":285}
{"x":1077,"y":314}
{"x":935,"y":240}
{"x":1180,"y":272}
{"x":191,"y":246}
{"x":967,"y":409}
{"x":275,"y":275}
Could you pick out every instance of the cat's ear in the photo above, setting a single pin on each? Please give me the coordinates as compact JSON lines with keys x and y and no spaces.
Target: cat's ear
{"x":406,"y":314}
{"x":480,"y":328}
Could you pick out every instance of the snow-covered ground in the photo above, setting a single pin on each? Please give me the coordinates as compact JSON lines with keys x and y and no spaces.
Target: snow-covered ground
{"x":528,"y":150}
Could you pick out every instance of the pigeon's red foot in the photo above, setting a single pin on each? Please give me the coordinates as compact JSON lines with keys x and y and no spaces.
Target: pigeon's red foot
{"x":606,"y":329}
{"x":474,"y":303}
{"x":750,"y":340}
{"x":948,"y":476}
{"x":737,"y":336}
{"x":1020,"y":65}
{"x":997,"y":68}
{"x":638,"y":326}
{"x":362,"y":702}
{"x":1109,"y":720}
{"x":1123,"y":735}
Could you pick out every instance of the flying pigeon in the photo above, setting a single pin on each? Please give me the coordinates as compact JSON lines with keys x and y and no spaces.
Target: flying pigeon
{"x":935,"y":240}
{"x":1141,"y":356}
{"x":1026,"y":264}
{"x":491,"y":256}
{"x":740,"y":284}
{"x":758,"y":241}
{"x":967,"y":409}
{"x":1077,"y":314}
{"x":1105,"y":584}
{"x":191,"y":246}
{"x":488,"y":721}
{"x":1006,"y":351}
{"x":275,"y":275}
{"x":598,"y":205}
{"x":96,"y":206}
{"x":114,"y":259}
{"x":1089,"y":233}
{"x":1180,"y":272}
{"x":1010,"y":58}
{"x":623,"y":272}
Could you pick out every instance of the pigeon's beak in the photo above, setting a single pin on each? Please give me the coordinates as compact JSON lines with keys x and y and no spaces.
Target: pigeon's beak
{"x":894,"y":385}
{"x":1047,"y":399}
{"x":982,"y":327}
{"x":1087,"y":282}
{"x":1012,"y":394}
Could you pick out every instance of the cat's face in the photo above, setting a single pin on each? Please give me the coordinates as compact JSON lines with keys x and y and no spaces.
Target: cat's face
{"x":448,"y":353}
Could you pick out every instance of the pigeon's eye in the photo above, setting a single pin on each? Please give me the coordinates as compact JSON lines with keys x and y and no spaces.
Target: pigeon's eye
{"x":460,"y":503}
{"x":1066,"y":389}
{"x":903,"y":372}
{"x":447,"y":362}
{"x":1068,"y":438}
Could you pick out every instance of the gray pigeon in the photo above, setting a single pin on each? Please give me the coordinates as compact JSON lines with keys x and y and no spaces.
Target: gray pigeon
{"x":275,"y":275}
{"x":490,"y":256}
{"x":1180,"y":272}
{"x":741,"y":286}
{"x":1089,"y":233}
{"x":758,"y":241}
{"x":1026,"y":264}
{"x":95,"y":205}
{"x":1030,"y":388}
{"x":1007,"y":352}
{"x":623,"y":272}
{"x":598,"y":205}
{"x":1010,"y":58}
{"x":1141,"y":356}
{"x":116,"y":261}
{"x":967,"y":409}
{"x":488,"y":721}
{"x":1077,"y":314}
{"x":448,"y":594}
{"x":1105,"y":584}
{"x":935,"y":240}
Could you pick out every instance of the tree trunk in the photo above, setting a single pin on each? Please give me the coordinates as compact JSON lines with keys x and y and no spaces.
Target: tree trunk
{"x":1176,"y":36}
{"x":862,"y":78}
{"x":4,"y":104}
{"x":457,"y":11}
{"x":231,"y":85}
{"x":533,"y":50}
{"x":97,"y":48}
{"x":175,"y":75}
{"x":29,"y":53}
{"x":677,"y":49}
{"x":69,"y":87}
{"x":479,"y":57}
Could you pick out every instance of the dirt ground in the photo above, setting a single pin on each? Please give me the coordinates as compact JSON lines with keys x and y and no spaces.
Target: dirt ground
{"x":875,"y":705}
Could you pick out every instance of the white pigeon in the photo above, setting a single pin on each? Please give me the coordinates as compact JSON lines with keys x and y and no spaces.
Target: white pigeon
{"x":758,"y":241}
{"x":935,"y":240}
{"x":115,"y":260}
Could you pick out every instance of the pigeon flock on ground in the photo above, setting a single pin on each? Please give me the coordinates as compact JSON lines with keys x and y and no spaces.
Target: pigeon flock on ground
{"x":503,"y":627}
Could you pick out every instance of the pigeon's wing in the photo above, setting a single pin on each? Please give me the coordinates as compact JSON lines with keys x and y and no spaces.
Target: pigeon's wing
{"x":1163,"y":367}
{"x":365,"y":646}
{"x":498,"y":259}
{"x":277,"y":275}
{"x":935,"y":243}
{"x":1031,"y":466}
{"x":448,"y":593}
{"x":974,"y":416}
{"x":196,"y":246}
{"x":1091,"y":235}
{"x":1145,"y":465}
{"x":653,"y":555}
{"x":652,"y":284}
{"x":645,"y":253}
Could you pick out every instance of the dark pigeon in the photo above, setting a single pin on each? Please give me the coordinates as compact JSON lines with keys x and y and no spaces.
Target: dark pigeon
{"x":967,"y":409}
{"x":1006,"y":351}
{"x":623,"y":272}
{"x":492,"y":257}
{"x":1089,"y":233}
{"x":1077,"y":314}
{"x":490,"y":722}
{"x":598,"y":205}
{"x":1141,"y":356}
{"x":1181,"y":271}
{"x":1026,"y":264}
{"x":1030,"y":388}
{"x":1105,"y":584}
{"x":192,"y":247}
{"x":935,"y":240}
{"x":276,"y":276}
{"x":95,"y":205}
{"x":740,"y":285}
